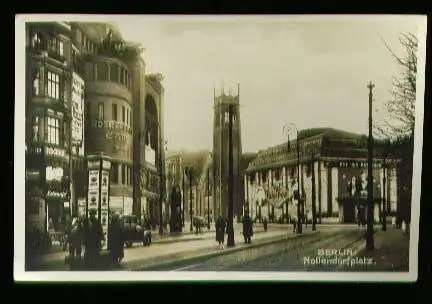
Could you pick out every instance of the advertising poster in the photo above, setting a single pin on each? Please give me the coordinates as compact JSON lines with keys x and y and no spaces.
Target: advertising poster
{"x":105,"y":181}
{"x":93,"y":180}
{"x":77,"y":109}
{"x":104,"y":200}
{"x":93,"y":200}
{"x":104,"y":222}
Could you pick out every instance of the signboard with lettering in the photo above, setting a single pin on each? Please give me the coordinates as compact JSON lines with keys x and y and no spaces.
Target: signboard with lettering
{"x":357,"y":164}
{"x":54,"y":151}
{"x":77,"y":109}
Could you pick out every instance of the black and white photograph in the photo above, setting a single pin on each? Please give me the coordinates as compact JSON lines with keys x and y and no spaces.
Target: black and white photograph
{"x":159,"y":148}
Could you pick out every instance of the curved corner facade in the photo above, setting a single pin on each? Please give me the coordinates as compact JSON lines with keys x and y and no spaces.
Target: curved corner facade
{"x":110,"y":124}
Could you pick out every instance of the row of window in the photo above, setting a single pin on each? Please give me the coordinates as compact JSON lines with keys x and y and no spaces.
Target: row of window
{"x":104,"y":71}
{"x":47,"y":42}
{"x":126,"y":113}
{"x":54,"y":130}
{"x":52,"y":86}
{"x":121,"y":174}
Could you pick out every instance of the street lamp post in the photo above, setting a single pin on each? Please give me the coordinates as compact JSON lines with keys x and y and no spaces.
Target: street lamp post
{"x":183,"y":198}
{"x":384,"y":200}
{"x":208,"y":199}
{"x":189,"y":173}
{"x":313,"y":194}
{"x":287,"y":131}
{"x":369,"y":232}
{"x":288,"y":128}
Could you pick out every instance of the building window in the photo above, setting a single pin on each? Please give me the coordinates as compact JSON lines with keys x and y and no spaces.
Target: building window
{"x":123,"y":114}
{"x":101,"y":111}
{"x":131,"y":176}
{"x":61,"y":48}
{"x":53,"y":131}
{"x":35,"y":41}
{"x":114,"y":111}
{"x":122,"y":76}
{"x":89,"y":71}
{"x":56,"y":46}
{"x":114,"y":173}
{"x":36,"y":83}
{"x":123,"y":177}
{"x":53,"y":85}
{"x":102,"y":71}
{"x":114,"y":72}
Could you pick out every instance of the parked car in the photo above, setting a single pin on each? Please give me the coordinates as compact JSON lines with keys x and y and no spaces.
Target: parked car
{"x":134,"y":232}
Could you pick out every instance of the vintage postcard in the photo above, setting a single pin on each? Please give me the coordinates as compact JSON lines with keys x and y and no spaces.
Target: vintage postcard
{"x":218,"y":147}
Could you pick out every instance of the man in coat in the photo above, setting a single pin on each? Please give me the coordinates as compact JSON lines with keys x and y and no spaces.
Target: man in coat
{"x":220,"y":231}
{"x":247,"y":228}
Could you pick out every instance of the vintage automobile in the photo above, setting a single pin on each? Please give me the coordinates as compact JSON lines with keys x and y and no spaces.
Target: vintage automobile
{"x":134,"y":232}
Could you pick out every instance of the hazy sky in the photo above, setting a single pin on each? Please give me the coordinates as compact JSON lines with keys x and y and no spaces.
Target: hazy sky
{"x":311,"y":73}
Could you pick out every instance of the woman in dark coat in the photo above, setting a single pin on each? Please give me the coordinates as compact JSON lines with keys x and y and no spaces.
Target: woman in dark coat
{"x":220,"y":231}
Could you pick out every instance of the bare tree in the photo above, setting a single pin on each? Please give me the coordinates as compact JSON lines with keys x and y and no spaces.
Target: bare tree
{"x":399,"y":117}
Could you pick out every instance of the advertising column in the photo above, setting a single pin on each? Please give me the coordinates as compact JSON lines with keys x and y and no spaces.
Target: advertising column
{"x":104,"y":195}
{"x":99,"y":167}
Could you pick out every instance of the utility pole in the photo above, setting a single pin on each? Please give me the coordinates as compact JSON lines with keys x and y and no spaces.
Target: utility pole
{"x":384,"y":205}
{"x":161,"y":190}
{"x":230,"y":241}
{"x":208,"y":198}
{"x":183,"y":197}
{"x":299,"y":219}
{"x":313,"y":195}
{"x":370,"y":205}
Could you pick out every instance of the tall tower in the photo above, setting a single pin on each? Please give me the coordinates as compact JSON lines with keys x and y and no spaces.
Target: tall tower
{"x":220,"y":151}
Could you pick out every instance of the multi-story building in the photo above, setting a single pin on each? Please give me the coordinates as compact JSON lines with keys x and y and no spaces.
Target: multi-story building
{"x":87,"y":76}
{"x":335,"y":160}
{"x":54,"y":123}
{"x":124,"y":110}
{"x":221,"y":145}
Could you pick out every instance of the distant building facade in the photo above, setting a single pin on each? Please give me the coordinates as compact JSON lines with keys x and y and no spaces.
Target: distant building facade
{"x":339,"y":161}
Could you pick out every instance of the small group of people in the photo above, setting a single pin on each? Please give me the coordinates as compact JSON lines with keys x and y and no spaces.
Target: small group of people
{"x":222,"y":229}
{"x":88,"y":234}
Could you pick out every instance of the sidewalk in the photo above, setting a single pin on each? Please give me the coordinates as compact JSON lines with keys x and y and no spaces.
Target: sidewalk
{"x":162,"y":243}
{"x":391,"y":251}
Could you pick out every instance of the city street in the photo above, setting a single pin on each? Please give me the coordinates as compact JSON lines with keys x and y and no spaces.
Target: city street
{"x":330,"y":250}
{"x":162,"y":247}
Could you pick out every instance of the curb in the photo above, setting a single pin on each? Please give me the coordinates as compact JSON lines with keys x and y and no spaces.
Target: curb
{"x":178,"y":259}
{"x":189,"y":239}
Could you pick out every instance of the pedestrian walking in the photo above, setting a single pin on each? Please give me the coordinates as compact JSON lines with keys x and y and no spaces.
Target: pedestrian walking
{"x":247,"y":228}
{"x":75,"y":242}
{"x":265,"y":224}
{"x":115,"y":241}
{"x":294,"y":222}
{"x":93,"y":237}
{"x":220,"y":231}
